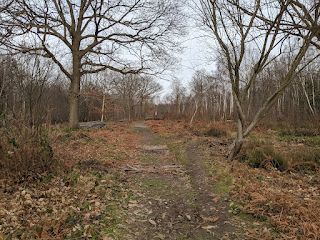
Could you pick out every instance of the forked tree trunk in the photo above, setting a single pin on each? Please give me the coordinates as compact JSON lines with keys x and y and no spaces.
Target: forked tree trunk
{"x":236,"y":145}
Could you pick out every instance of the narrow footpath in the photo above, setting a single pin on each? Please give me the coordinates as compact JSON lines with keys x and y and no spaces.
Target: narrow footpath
{"x":172,"y":197}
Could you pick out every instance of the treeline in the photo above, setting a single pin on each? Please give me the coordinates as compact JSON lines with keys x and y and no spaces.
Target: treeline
{"x":208,"y":95}
{"x":34,"y":91}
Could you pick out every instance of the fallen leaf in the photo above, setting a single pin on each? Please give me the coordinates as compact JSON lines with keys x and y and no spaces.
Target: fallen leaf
{"x":161,"y":236}
{"x":107,"y":238}
{"x":215,"y":200}
{"x":2,"y":213}
{"x":152,"y":222}
{"x":213,"y":219}
{"x":266,"y":232}
{"x":209,"y":227}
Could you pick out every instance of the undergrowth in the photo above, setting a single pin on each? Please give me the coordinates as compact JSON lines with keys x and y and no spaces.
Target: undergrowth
{"x":25,"y":153}
{"x":299,"y":134}
{"x":216,"y":132}
{"x":260,"y":153}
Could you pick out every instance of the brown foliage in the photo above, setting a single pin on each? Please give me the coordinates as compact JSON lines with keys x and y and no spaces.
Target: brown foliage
{"x":25,"y":153}
{"x":113,"y":145}
{"x":289,"y":201}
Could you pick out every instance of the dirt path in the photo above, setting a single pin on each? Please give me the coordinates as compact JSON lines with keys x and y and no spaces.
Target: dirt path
{"x":172,"y":199}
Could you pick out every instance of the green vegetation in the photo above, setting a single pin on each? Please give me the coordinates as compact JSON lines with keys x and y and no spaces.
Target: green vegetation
{"x":308,"y":135}
{"x":177,"y":149}
{"x":224,"y":185}
{"x":147,"y":158}
{"x":260,"y":153}
{"x":216,"y":132}
{"x":155,"y":184}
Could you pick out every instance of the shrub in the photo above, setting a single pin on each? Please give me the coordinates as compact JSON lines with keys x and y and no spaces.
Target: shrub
{"x":259,"y":153}
{"x":216,"y":132}
{"x":299,"y":133}
{"x":25,"y":153}
{"x":266,"y":157}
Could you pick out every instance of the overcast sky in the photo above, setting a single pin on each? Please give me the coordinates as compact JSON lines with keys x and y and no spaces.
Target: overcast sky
{"x":196,"y":56}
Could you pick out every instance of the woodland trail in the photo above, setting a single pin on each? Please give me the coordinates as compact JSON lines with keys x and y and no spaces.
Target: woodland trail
{"x":162,"y":180}
{"x":172,"y":199}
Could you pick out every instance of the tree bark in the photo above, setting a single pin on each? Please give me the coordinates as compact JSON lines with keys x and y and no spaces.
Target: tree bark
{"x":102,"y":108}
{"x":194,"y":114}
{"x":313,"y":95}
{"x":74,"y":93}
{"x":303,"y":83}
{"x":236,"y":145}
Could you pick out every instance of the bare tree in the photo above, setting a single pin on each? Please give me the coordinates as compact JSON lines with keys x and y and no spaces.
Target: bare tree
{"x":263,"y":27}
{"x":24,"y":88}
{"x":133,"y":93}
{"x":178,"y":92}
{"x":147,"y":90}
{"x":9,"y":73}
{"x":89,"y":36}
{"x":199,"y":86}
{"x":34,"y":86}
{"x":6,"y":29}
{"x":126,"y":89}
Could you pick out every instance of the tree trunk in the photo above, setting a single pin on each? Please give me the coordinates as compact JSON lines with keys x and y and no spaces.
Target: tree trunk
{"x":236,"y":145}
{"x":102,"y":108}
{"x":303,"y":83}
{"x":129,"y":111}
{"x":194,"y":114}
{"x":141,"y":108}
{"x":231,"y":104}
{"x":313,"y":95}
{"x":74,"y":94}
{"x":3,"y":81}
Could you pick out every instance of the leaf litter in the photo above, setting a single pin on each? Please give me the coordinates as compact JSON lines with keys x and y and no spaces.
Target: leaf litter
{"x":286,"y":203}
{"x":77,"y":203}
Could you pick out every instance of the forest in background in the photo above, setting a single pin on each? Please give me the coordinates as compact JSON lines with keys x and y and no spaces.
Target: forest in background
{"x":32,"y":89}
{"x":63,"y":62}
{"x":111,"y":54}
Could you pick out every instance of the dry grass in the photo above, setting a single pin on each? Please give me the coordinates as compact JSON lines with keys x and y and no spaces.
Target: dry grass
{"x":170,"y":128}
